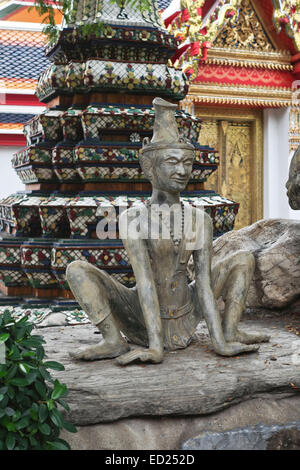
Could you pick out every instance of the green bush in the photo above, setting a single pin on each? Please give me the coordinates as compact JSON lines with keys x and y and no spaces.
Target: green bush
{"x":29,"y":397}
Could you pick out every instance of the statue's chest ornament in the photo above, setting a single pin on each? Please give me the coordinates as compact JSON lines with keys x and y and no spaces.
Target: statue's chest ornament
{"x":165,"y":219}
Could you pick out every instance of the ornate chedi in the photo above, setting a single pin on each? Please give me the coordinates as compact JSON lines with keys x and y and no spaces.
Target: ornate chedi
{"x":82,"y":154}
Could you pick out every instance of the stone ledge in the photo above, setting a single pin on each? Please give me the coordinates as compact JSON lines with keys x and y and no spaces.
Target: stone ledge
{"x":190,"y":382}
{"x":168,"y":433}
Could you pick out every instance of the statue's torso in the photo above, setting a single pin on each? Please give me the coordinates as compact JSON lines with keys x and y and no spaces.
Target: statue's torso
{"x":170,"y":273}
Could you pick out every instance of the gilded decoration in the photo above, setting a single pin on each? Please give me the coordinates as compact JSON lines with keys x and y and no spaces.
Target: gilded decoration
{"x":237,"y":134}
{"x":230,"y":94}
{"x":287,"y":15}
{"x":294,"y":132}
{"x":247,"y":32}
{"x":233,"y":33}
{"x":277,"y":60}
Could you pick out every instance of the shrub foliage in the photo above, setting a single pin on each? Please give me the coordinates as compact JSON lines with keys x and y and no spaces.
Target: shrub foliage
{"x":29,"y":397}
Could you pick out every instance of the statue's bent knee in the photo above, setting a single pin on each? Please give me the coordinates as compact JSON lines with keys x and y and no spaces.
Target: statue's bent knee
{"x":75,"y":269}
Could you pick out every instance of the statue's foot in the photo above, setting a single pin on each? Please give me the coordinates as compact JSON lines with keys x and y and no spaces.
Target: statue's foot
{"x":103,"y":350}
{"x":247,"y":338}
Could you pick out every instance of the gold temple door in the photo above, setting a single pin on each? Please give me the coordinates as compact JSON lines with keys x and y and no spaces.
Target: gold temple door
{"x":238,"y":138}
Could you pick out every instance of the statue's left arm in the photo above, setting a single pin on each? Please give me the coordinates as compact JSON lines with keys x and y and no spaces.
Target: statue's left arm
{"x":202,"y":261}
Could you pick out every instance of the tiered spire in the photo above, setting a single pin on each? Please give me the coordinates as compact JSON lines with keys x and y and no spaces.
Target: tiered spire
{"x":82,"y":152}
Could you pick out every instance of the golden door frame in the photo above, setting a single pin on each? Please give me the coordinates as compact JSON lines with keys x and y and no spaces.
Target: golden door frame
{"x":255,"y":117}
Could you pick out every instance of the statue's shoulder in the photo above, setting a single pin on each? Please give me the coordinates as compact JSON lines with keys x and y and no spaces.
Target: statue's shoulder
{"x":134,"y":211}
{"x":199,"y":214}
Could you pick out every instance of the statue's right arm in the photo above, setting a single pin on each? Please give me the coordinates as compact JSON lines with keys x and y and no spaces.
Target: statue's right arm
{"x":140,"y":262}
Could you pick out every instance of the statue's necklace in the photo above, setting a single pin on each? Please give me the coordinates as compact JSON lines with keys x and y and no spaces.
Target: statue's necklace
{"x":165,"y":218}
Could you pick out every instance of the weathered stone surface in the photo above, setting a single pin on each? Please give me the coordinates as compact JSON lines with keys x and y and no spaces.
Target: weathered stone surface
{"x":194,"y":381}
{"x":275,"y":243}
{"x":169,"y":433}
{"x":252,"y":438}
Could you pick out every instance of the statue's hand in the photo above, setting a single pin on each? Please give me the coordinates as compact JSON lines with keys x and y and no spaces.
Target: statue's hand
{"x":144,"y":355}
{"x":233,"y":349}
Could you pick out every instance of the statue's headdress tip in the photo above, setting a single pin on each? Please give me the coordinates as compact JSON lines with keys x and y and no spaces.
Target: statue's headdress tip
{"x":165,"y":129}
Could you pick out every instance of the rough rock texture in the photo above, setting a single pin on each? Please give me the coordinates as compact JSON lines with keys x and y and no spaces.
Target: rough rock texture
{"x":169,"y":433}
{"x":275,"y":243}
{"x":194,"y":381}
{"x":252,"y":438}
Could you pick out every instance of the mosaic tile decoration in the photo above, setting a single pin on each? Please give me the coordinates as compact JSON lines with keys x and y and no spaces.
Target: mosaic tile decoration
{"x":137,"y":118}
{"x":19,"y":214}
{"x":47,"y":125}
{"x":36,"y":153}
{"x":99,"y":75}
{"x":71,"y":123}
{"x":93,"y":10}
{"x":42,"y":264}
{"x":63,"y":163}
{"x":37,"y":314}
{"x":74,"y":214}
{"x":36,"y":174}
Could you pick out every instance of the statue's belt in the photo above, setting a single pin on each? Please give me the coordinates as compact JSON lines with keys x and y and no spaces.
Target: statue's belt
{"x":174,"y":312}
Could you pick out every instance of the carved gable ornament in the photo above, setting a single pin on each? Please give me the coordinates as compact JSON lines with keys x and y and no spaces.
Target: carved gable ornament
{"x":230,"y":32}
{"x":246,"y":33}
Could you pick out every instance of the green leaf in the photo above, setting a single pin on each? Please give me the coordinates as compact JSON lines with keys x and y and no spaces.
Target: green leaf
{"x":20,"y":382}
{"x":53,"y":365}
{"x":50,"y":405}
{"x":28,"y":354}
{"x":9,"y":411}
{"x":30,"y":343}
{"x":4,"y":401}
{"x":33,"y":442}
{"x":59,"y":445}
{"x":20,"y":332}
{"x":14,"y":353}
{"x":1,"y":397}
{"x":45,"y":374}
{"x":56,"y":418}
{"x":4,"y":337}
{"x":34,"y":415}
{"x":43,"y":413}
{"x":17,"y":416}
{"x":69,"y":427}
{"x":11,"y":372}
{"x":63,"y":404}
{"x":22,"y":320}
{"x":41,"y":388}
{"x":24,"y":368}
{"x":7,"y":318}
{"x":22,"y":423}
{"x":59,"y":390}
{"x":10,"y":441}
{"x":40,"y":353}
{"x":45,"y":429}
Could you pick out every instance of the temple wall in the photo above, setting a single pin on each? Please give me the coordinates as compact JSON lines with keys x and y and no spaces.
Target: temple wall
{"x":9,"y":181}
{"x":276,"y":164}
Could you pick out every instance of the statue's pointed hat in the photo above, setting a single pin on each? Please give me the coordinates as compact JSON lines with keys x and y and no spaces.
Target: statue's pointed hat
{"x":165,"y":130}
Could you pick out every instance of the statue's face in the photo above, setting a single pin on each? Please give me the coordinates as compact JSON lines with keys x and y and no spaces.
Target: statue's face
{"x":172,"y":170}
{"x":293,"y":184}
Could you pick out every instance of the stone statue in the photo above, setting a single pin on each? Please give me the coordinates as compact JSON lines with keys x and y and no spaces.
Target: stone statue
{"x":163,"y":310}
{"x":293,"y":184}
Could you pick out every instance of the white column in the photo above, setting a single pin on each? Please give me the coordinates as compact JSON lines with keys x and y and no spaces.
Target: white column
{"x":9,"y":181}
{"x":276,"y":164}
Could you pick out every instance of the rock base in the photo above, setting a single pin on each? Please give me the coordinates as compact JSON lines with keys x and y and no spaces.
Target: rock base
{"x":167,"y":433}
{"x":147,"y":406}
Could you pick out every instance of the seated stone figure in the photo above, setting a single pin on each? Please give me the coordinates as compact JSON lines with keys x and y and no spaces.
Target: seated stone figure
{"x":164,"y":309}
{"x":293,"y":184}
